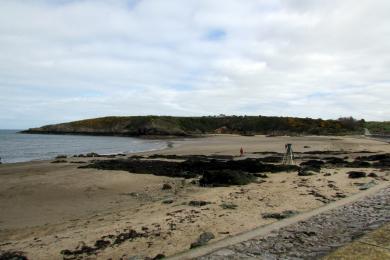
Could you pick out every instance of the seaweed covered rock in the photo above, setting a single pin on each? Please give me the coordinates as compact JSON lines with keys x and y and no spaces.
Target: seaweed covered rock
{"x":307,"y":171}
{"x":336,"y":161}
{"x":166,"y":186}
{"x":310,"y":166}
{"x":156,"y":167}
{"x":356,"y":174}
{"x":12,"y":255}
{"x":226,"y":178}
{"x":373,"y":175}
{"x":316,"y":163}
{"x":272,"y":159}
{"x":198,"y":203}
{"x":281,"y":215}
{"x":385,"y":163}
{"x":359,"y":164}
{"x":375,"y":157}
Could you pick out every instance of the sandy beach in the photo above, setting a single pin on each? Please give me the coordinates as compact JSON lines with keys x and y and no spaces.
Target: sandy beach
{"x":47,"y":207}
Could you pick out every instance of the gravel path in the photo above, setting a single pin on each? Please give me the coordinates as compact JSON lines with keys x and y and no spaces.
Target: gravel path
{"x":316,"y":236}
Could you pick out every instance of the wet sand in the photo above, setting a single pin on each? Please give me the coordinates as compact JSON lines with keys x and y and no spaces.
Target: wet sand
{"x":47,"y":208}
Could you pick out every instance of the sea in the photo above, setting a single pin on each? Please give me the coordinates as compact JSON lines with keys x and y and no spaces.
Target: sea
{"x":18,"y":147}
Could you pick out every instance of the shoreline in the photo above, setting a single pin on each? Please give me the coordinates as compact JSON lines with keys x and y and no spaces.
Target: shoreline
{"x":167,"y":145}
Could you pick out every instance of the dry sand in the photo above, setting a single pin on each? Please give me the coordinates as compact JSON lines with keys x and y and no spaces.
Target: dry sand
{"x":46,"y":208}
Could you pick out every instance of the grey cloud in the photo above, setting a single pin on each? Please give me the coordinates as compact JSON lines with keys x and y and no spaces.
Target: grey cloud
{"x":66,"y":60}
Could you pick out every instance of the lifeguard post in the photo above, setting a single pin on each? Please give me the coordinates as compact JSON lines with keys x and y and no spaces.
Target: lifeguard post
{"x":288,"y":158}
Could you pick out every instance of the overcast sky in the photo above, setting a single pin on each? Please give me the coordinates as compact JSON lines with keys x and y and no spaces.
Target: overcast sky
{"x":66,"y":60}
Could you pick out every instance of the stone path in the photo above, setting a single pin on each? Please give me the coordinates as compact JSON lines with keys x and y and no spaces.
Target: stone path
{"x":317,"y":235}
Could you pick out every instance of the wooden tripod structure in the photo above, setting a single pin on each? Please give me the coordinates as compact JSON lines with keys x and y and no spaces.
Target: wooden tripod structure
{"x":288,"y":158}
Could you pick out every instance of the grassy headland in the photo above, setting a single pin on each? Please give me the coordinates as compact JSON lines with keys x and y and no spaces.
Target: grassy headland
{"x":190,"y":126}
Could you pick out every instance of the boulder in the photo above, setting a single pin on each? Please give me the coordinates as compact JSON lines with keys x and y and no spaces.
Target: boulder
{"x":226,"y":178}
{"x":198,"y":203}
{"x":373,"y":175}
{"x":166,"y":186}
{"x":356,"y":174}
{"x":281,"y":215}
{"x":367,"y":185}
{"x":228,"y":206}
{"x":12,"y":255}
{"x":168,"y":201}
{"x":159,"y":256}
{"x":203,"y":239}
{"x":307,"y":171}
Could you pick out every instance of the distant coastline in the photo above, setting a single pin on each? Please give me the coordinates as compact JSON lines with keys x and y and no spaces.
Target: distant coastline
{"x":168,"y":126}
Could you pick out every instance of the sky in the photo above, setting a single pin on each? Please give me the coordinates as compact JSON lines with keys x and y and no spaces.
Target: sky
{"x":65,"y":60}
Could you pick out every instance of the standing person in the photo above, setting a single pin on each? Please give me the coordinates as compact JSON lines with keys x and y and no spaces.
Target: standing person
{"x":241,"y":152}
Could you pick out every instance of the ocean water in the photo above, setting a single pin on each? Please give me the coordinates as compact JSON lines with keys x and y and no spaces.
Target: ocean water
{"x":16,"y":147}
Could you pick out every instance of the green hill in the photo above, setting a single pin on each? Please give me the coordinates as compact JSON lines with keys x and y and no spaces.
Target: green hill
{"x":189,"y":126}
{"x":379,"y":128}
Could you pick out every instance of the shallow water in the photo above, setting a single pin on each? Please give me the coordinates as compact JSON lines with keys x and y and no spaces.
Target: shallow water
{"x":16,"y":147}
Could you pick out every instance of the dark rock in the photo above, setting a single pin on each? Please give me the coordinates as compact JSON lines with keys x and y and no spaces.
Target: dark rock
{"x":271,"y":159}
{"x":367,"y":185}
{"x":373,"y":175}
{"x":228,"y":206}
{"x":385,"y":163}
{"x":198,"y":203}
{"x":306,"y":172}
{"x":220,"y":172}
{"x":335,"y":161}
{"x":359,"y":164}
{"x":319,"y":196}
{"x":59,"y":161}
{"x":327,"y":174}
{"x":203,"y":239}
{"x":225,"y":178}
{"x":61,"y":157}
{"x":159,"y":256}
{"x":12,"y":255}
{"x":282,"y":215}
{"x":166,"y":186}
{"x":101,"y":244}
{"x":316,"y":163}
{"x":168,"y":201}
{"x":356,"y":174}
{"x":260,"y":175}
{"x":340,"y":195}
{"x":128,"y":235}
{"x":195,"y":182}
{"x":375,"y":157}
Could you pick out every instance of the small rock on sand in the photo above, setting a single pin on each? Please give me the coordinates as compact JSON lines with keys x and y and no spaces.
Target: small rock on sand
{"x":198,"y":203}
{"x":166,"y":186}
{"x":356,"y":174}
{"x":203,"y":239}
{"x":281,"y":215}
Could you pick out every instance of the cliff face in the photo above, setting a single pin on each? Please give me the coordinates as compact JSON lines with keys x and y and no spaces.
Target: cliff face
{"x":184,"y":126}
